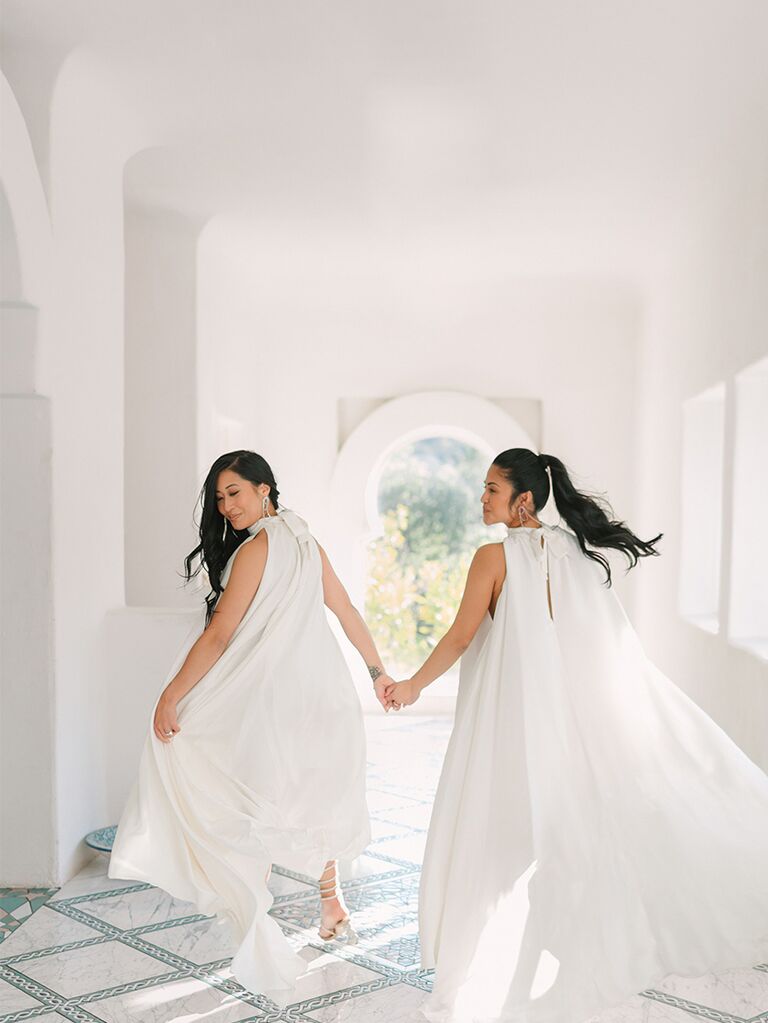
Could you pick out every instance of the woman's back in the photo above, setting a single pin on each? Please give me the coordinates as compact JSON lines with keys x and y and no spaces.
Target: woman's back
{"x":574,"y":821}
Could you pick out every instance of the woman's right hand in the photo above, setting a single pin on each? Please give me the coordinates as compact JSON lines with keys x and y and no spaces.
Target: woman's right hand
{"x":380,"y":686}
{"x":166,"y":724}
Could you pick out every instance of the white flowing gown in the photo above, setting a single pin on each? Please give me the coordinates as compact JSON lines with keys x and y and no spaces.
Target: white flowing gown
{"x":268,"y":766}
{"x":593,"y":829}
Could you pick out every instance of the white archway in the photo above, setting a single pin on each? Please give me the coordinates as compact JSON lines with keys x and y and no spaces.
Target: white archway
{"x":477,"y":421}
{"x":467,"y":417}
{"x":26,"y":200}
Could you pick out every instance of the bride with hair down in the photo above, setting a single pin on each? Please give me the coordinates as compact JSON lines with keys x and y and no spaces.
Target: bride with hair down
{"x":593,"y":829}
{"x":256,"y":749}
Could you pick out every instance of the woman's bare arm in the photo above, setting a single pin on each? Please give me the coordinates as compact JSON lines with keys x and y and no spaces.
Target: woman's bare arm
{"x":337,"y":600}
{"x":244,"y":581}
{"x":484,"y":573}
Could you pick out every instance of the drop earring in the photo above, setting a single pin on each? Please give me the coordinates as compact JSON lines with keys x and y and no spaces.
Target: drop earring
{"x":265,"y":507}
{"x":224,"y":534}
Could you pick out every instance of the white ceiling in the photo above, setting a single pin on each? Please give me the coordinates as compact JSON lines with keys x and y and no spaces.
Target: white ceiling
{"x":579,"y":136}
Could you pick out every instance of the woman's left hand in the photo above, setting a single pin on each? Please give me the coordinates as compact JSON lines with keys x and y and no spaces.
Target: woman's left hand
{"x":402,"y":694}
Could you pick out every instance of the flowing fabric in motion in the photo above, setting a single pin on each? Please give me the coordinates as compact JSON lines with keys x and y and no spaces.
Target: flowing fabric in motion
{"x":593,"y":830}
{"x":269,"y":766}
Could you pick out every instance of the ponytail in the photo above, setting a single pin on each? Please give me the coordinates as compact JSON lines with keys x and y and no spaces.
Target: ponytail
{"x":591,"y":520}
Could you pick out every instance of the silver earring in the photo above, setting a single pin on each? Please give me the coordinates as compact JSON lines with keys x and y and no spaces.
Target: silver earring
{"x":265,"y":507}
{"x":224,"y":534}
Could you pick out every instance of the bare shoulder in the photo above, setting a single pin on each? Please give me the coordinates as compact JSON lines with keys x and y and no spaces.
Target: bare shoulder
{"x":251,"y":553}
{"x":490,"y":558}
{"x":490,"y":553}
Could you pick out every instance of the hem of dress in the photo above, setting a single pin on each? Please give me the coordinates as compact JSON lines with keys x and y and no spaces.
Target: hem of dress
{"x":281,"y":996}
{"x":755,"y":953}
{"x":120,"y":869}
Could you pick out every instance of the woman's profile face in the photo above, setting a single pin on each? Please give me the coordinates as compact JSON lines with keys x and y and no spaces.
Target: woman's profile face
{"x":238,"y":499}
{"x":496,"y":498}
{"x":499,"y":501}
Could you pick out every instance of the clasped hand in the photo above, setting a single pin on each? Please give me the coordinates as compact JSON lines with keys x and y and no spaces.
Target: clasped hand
{"x":396,"y":695}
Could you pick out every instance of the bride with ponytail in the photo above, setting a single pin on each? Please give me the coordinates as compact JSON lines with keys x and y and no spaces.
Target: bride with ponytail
{"x":586,"y":805}
{"x":588,"y":519}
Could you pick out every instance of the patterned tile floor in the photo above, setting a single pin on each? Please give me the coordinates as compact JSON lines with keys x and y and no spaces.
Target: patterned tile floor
{"x":107,"y":951}
{"x":18,"y":904}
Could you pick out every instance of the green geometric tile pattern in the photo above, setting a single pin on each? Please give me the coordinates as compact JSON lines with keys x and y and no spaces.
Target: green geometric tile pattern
{"x":18,"y":904}
{"x":103,"y":951}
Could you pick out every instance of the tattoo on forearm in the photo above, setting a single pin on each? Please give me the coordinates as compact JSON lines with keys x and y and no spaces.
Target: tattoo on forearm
{"x":374,"y":672}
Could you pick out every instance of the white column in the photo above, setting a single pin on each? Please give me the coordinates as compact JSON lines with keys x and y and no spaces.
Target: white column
{"x":27,"y":843}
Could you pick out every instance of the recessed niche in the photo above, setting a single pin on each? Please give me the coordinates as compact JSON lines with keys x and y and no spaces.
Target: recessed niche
{"x":701,"y":503}
{"x":748,"y":614}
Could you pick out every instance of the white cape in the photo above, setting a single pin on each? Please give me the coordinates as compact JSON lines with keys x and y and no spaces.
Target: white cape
{"x":269,"y":766}
{"x":593,"y":830}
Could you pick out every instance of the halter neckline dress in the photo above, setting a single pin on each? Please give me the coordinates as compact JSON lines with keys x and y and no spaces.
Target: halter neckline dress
{"x":268,"y":767}
{"x":594,"y":830}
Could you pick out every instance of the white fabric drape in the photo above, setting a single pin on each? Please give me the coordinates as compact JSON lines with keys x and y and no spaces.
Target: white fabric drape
{"x":594,"y":830}
{"x":268,"y":767}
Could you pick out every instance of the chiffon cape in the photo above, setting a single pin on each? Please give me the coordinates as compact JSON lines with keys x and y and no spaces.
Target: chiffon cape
{"x":593,"y":829}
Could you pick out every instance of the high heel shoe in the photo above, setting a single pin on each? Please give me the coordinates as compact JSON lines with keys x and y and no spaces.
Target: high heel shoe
{"x":342,"y":930}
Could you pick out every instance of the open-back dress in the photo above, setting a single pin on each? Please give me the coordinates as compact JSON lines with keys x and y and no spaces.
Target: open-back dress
{"x":593,"y":830}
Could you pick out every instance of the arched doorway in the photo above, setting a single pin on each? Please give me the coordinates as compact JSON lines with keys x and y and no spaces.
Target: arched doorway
{"x":469,"y":420}
{"x":428,"y":493}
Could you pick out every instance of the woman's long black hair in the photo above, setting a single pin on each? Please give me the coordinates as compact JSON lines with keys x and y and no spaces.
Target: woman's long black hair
{"x":592,"y":521}
{"x":218,"y":538}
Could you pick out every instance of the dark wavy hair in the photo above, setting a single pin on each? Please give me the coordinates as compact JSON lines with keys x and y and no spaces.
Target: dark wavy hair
{"x":218,"y":538}
{"x":591,"y":519}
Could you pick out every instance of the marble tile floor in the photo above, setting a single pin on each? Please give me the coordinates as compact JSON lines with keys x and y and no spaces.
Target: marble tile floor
{"x":110,"y":951}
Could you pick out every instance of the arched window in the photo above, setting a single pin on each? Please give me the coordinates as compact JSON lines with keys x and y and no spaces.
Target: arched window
{"x":477,"y":423}
{"x":428,"y":499}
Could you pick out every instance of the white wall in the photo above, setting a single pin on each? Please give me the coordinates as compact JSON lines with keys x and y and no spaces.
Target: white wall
{"x":62,"y":470}
{"x":81,"y":368}
{"x":143,"y":644}
{"x":27,"y":846}
{"x":287,"y":332}
{"x":705,"y":323}
{"x":161,"y":478}
{"x":748,"y":598}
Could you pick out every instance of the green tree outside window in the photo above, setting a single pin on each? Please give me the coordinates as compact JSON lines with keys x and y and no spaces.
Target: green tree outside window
{"x":429,"y":500}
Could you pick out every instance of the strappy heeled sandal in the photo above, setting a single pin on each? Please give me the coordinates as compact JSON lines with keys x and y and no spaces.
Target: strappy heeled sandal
{"x":343,"y":929}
